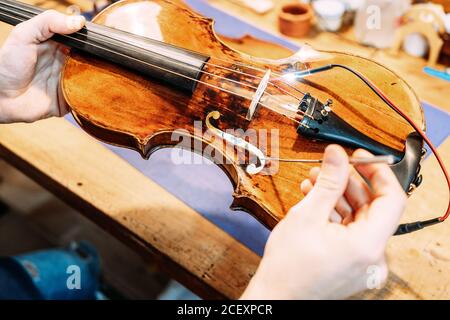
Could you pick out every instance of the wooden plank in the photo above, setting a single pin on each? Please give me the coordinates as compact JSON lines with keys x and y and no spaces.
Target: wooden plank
{"x":115,"y":195}
{"x":120,"y":199}
{"x":422,"y":259}
{"x":39,"y":220}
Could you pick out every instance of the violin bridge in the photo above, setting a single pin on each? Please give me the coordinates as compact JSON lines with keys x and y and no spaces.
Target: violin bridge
{"x":258,"y":94}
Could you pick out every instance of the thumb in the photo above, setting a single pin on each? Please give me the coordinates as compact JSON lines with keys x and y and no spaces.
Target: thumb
{"x":331,"y":182}
{"x":43,"y":26}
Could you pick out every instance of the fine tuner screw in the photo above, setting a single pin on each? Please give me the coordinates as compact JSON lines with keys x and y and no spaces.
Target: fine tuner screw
{"x":327,"y":107}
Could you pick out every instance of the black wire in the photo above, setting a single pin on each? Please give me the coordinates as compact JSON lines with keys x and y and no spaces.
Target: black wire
{"x":367,"y":83}
{"x":405,"y":227}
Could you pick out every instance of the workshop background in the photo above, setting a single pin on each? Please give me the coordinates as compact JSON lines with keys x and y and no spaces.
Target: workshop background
{"x":33,"y":219}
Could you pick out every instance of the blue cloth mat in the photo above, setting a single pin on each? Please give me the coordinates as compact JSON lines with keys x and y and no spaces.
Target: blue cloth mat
{"x":204,"y":187}
{"x":437,"y":120}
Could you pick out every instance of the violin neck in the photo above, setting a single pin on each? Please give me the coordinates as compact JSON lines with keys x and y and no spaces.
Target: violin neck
{"x":175,"y":66}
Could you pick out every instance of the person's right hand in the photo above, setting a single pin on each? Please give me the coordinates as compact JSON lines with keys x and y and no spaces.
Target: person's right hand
{"x":308,"y":256}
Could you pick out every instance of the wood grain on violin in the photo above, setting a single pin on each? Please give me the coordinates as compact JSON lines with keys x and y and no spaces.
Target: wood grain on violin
{"x":122,"y":107}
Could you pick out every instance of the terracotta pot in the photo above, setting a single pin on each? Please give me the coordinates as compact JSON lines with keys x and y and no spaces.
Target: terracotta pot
{"x":295,"y":19}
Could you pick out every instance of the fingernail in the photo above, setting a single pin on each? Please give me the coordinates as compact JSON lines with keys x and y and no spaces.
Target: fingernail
{"x":75,"y":22}
{"x":334,"y":155}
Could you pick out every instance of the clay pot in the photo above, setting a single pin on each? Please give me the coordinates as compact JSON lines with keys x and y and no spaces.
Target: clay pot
{"x":295,"y":19}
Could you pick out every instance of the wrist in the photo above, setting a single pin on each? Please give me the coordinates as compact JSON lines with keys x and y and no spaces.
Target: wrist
{"x":261,"y":287}
{"x":255,"y":291}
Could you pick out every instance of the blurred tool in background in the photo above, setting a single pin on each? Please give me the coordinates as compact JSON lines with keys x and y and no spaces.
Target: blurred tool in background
{"x":72,"y":273}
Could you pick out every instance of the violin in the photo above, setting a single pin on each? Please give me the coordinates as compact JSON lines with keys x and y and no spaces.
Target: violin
{"x":152,"y":74}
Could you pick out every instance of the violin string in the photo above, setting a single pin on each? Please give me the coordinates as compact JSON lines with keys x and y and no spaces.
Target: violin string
{"x":181,"y":75}
{"x":238,"y":72}
{"x":234,"y":62}
{"x":292,"y":87}
{"x":248,"y":84}
{"x":280,"y":103}
{"x":279,"y":75}
{"x":282,"y":80}
{"x":34,"y":10}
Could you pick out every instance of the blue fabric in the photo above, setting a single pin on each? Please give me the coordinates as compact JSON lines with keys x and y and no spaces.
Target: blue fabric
{"x":438,"y":128}
{"x":205,"y":188}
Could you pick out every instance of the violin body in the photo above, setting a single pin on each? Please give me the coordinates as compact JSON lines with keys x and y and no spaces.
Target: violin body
{"x":123,"y":108}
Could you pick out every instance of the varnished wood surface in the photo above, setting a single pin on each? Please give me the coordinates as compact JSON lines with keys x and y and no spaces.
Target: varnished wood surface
{"x":125,"y":109}
{"x":430,"y":89}
{"x":59,"y":156}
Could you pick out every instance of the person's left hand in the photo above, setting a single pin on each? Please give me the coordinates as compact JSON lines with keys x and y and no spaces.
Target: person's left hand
{"x":30,"y":68}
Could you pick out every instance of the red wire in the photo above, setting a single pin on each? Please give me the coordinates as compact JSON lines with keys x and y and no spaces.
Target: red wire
{"x":428,"y":142}
{"x":410,"y":121}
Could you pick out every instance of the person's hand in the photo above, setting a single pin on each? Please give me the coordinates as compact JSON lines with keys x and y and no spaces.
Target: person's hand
{"x":312,"y":254}
{"x":30,"y":68}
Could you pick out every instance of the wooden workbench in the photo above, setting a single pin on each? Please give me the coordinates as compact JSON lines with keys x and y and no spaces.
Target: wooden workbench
{"x":195,"y":252}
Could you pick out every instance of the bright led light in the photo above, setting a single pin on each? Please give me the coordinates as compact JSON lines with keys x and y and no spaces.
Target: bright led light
{"x":292,"y":76}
